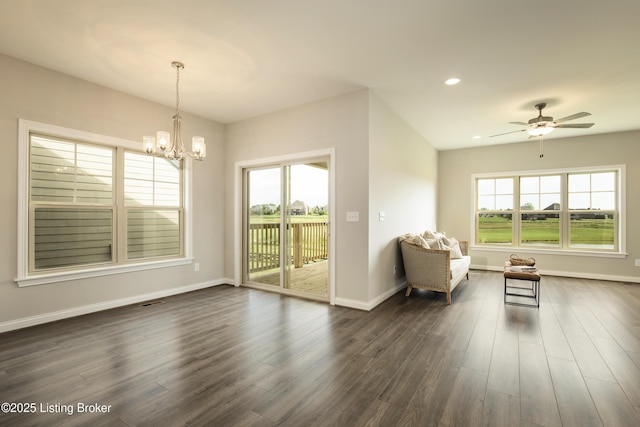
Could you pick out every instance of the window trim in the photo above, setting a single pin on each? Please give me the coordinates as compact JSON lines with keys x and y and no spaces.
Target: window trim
{"x":621,"y":252}
{"x":24,"y":277}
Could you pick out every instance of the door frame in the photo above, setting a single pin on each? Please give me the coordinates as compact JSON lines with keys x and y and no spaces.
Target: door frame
{"x":239,"y":200}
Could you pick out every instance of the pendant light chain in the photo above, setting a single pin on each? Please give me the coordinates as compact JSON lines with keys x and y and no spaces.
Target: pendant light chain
{"x":178,"y":66}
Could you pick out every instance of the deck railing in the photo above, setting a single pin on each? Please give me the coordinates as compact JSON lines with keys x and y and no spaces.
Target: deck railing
{"x":309,"y":240}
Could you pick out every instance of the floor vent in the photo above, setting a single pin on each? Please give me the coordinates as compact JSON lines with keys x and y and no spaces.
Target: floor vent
{"x":150,"y":303}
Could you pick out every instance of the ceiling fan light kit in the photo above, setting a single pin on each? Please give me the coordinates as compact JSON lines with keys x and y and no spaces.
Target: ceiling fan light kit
{"x":540,"y":126}
{"x":540,"y":131}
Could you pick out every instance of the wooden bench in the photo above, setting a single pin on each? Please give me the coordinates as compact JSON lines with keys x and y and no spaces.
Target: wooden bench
{"x":532,"y":292}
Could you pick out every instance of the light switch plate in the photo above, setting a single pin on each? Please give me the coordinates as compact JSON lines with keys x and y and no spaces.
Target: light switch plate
{"x":353,"y":216}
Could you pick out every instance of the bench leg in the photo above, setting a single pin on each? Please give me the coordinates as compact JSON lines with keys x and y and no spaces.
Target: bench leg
{"x":408,"y":290}
{"x":505,"y":290}
{"x":535,"y":293}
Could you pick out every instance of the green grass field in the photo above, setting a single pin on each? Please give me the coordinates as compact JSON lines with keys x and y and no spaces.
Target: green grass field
{"x":587,"y":232}
{"x":497,"y":229}
{"x":273,"y":219}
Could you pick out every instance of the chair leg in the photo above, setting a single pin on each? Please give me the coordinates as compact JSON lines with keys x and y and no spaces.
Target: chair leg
{"x":408,"y":290}
{"x":449,"y":297}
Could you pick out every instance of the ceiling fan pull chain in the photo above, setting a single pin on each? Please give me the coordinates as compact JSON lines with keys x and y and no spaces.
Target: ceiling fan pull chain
{"x":541,"y":147}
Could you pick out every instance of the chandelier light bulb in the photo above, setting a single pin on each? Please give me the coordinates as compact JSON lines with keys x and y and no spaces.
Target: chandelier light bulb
{"x":149,"y":143}
{"x":198,"y":147}
{"x":163,"y":140}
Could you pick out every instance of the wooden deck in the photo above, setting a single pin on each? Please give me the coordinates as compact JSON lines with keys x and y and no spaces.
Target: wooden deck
{"x":312,"y":278}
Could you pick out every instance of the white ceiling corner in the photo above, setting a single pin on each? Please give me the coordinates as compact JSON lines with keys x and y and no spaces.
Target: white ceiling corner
{"x":244,"y":58}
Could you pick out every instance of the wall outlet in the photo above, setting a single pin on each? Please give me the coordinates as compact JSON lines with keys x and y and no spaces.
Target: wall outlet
{"x":196,"y":266}
{"x":638,"y":263}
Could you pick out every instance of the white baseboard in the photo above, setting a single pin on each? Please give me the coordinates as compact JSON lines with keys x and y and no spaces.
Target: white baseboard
{"x":106,"y":305}
{"x":572,"y":274}
{"x":352,"y":303}
{"x":370,"y":305}
{"x":228,"y":281}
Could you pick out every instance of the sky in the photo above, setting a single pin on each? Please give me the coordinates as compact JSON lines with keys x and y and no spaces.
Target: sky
{"x":585,"y":190}
{"x":308,"y":184}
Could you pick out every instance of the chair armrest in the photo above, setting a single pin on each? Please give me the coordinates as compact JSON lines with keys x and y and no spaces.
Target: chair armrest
{"x":426,"y":267}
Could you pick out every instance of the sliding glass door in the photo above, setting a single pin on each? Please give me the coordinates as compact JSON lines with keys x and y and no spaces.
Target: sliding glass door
{"x":306,"y":220}
{"x":286,"y":227}
{"x":263,"y":225}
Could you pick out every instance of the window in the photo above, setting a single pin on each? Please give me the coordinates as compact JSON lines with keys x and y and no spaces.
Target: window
{"x":152,"y":201}
{"x":540,"y":210}
{"x":93,"y":205}
{"x":495,"y":210}
{"x":593,"y":210}
{"x":577,"y":210}
{"x":71,"y":207}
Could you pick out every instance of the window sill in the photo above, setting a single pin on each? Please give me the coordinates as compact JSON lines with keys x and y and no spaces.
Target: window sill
{"x":43,"y":279}
{"x":549,"y":251}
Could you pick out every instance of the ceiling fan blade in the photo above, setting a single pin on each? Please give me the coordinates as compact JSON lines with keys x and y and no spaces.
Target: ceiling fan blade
{"x":576,"y":125}
{"x":506,"y":133}
{"x":519,"y":123}
{"x":573,"y":117}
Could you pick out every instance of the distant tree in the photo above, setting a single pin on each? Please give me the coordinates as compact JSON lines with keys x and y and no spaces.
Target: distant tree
{"x":317,"y":210}
{"x":265,"y":209}
{"x":527,"y":207}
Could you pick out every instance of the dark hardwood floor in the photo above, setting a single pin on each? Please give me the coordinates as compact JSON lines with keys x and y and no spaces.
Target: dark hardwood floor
{"x":230,"y":356}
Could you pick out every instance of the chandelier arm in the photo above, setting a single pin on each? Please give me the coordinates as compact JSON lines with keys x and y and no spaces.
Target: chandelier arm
{"x":176,"y":137}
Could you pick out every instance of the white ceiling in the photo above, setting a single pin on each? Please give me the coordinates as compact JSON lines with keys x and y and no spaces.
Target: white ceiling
{"x":244,"y":58}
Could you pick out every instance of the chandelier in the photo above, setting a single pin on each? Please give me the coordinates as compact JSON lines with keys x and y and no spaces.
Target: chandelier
{"x":171,"y":144}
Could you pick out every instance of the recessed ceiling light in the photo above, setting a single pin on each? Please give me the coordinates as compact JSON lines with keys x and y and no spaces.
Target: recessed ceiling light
{"x":452,"y":81}
{"x":476,"y":137}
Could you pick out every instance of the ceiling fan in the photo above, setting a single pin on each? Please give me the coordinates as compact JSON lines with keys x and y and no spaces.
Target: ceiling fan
{"x":540,"y":126}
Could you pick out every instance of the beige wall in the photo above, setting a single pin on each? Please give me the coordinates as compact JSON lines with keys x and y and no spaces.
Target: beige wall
{"x":339,"y":122}
{"x":382,"y":165}
{"x":456,"y":194}
{"x":37,"y":94}
{"x":400,"y":185}
{"x":403,"y":169}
